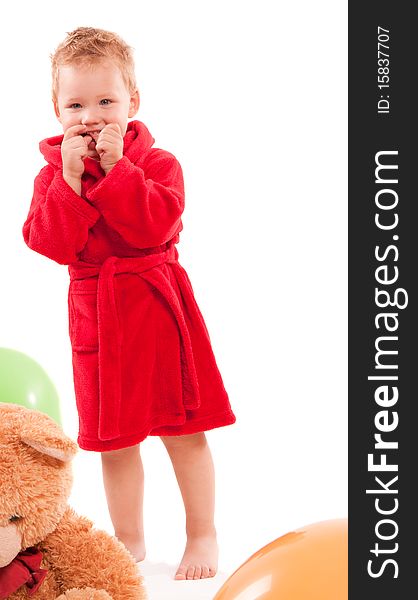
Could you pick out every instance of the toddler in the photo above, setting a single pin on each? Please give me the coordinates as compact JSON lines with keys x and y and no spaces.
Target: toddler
{"x":108,"y":204}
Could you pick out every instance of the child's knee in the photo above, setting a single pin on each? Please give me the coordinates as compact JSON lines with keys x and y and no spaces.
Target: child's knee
{"x":181,"y":442}
{"x":121,"y":454}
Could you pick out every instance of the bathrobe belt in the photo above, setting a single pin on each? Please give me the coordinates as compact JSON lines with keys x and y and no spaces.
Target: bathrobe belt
{"x":110,"y":331}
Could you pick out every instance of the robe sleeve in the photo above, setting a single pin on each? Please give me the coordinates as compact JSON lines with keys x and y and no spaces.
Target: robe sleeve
{"x":144,"y":205}
{"x":59,"y":220}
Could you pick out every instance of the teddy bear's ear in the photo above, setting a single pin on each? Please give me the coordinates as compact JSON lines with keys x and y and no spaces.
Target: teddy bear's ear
{"x":42,"y":433}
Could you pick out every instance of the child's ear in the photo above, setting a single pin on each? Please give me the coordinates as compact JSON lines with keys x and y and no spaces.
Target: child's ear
{"x":134,"y":104}
{"x":56,"y":110}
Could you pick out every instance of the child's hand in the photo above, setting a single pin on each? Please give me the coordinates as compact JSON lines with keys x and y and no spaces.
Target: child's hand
{"x":74,"y":149}
{"x":110,"y":146}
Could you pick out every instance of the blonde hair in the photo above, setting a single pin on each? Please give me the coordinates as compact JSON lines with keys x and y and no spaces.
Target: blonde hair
{"x":89,"y":46}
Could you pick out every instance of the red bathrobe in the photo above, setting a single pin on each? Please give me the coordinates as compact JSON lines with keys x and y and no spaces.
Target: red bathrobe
{"x":142,"y":358}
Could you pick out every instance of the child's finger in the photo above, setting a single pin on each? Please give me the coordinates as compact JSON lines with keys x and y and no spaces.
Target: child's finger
{"x":112,"y":127}
{"x":73,"y":131}
{"x":78,"y":142}
{"x":101,"y":145}
{"x":108,"y":138}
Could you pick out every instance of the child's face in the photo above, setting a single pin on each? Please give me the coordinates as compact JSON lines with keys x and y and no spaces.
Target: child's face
{"x":94,"y":96}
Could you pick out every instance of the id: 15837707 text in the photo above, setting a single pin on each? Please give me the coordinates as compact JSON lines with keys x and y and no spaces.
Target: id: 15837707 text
{"x":383,"y":67}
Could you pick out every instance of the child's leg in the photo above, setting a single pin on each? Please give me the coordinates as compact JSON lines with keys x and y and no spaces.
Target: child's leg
{"x":123,"y":478}
{"x":193,"y":466}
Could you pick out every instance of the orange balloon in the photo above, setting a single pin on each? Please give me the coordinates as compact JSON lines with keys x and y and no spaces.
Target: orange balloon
{"x":310,"y":563}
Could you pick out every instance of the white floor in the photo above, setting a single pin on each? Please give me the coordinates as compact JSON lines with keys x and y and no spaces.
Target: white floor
{"x":160,"y":584}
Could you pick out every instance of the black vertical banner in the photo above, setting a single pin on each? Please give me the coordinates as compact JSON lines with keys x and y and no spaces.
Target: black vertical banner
{"x":383,"y":332}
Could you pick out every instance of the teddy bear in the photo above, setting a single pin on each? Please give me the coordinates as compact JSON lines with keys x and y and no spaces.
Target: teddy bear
{"x":47,"y":551}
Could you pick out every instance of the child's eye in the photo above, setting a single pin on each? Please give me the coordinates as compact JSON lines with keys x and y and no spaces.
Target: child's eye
{"x":105,"y":101}
{"x":75,"y":105}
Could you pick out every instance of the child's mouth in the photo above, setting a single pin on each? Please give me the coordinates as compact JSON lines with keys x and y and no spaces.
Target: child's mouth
{"x":93,"y":134}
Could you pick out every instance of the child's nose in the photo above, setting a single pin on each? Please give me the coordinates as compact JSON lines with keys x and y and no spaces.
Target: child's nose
{"x":90,"y":118}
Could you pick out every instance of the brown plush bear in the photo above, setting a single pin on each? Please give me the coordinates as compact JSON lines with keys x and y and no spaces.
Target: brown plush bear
{"x":47,"y":552}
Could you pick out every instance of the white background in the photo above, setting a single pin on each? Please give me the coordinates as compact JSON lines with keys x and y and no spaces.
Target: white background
{"x":251,"y":98}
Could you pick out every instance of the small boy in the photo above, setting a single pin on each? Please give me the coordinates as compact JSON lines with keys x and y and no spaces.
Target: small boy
{"x":109,"y":205}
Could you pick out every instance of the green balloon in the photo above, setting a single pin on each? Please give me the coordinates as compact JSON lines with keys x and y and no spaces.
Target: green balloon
{"x":23,"y":381}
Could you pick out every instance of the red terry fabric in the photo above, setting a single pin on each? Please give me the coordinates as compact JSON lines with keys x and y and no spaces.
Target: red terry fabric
{"x":142,"y":358}
{"x":23,"y":570}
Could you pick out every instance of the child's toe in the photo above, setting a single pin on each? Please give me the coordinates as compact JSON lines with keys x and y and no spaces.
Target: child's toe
{"x":205,"y":572}
{"x":197,"y":572}
{"x":181,"y":572}
{"x":190,"y":572}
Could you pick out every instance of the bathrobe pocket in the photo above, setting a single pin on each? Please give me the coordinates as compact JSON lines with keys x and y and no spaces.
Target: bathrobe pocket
{"x":82,"y":312}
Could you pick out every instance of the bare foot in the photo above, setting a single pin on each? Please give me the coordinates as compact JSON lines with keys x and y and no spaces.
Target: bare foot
{"x":200,"y":559}
{"x":135,"y":545}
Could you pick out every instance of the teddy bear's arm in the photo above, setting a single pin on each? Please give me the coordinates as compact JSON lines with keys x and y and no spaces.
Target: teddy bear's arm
{"x":86,"y":557}
{"x":85,"y":594}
